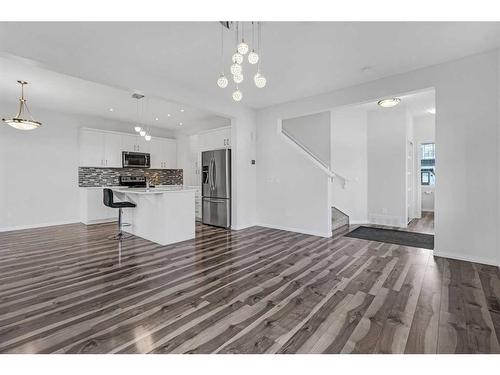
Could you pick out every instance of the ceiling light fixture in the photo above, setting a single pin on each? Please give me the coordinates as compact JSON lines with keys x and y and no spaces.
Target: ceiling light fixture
{"x":111,"y":109}
{"x":18,"y":121}
{"x":222,"y":81}
{"x":237,"y":95}
{"x":142,"y":133}
{"x":147,"y":137}
{"x":253,"y":57}
{"x":243,"y":47}
{"x":156,"y":118}
{"x":180,"y":123}
{"x":238,"y":78}
{"x":388,"y":103}
{"x":432,"y":111}
{"x":237,"y":59}
{"x":182,"y":109}
{"x":137,"y":96}
{"x":168,"y":115}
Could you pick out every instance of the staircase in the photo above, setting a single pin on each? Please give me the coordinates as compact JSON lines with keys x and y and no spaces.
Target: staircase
{"x":340,"y":223}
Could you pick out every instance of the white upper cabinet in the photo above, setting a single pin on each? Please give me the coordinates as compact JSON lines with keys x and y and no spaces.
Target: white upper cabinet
{"x":163,"y":153}
{"x":91,"y":148}
{"x":215,"y":139}
{"x":100,"y":148}
{"x":131,"y":143}
{"x":170,"y":154}
{"x":112,"y":150}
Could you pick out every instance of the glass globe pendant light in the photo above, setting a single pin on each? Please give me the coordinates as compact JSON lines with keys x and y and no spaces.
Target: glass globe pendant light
{"x":237,"y":58}
{"x":142,"y":133}
{"x":243,"y":47}
{"x":259,"y":80}
{"x":237,"y":95}
{"x":18,"y":121}
{"x":222,"y":81}
{"x":238,"y":78}
{"x":253,"y":57}
{"x":137,"y":129}
{"x":147,"y":137}
{"x":236,"y":69}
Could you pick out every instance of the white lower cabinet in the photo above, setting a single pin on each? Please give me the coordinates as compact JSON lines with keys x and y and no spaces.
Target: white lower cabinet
{"x":92,"y":208}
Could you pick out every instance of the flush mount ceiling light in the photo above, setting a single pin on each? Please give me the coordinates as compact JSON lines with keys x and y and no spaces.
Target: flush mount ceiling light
{"x":18,"y":121}
{"x":237,"y":59}
{"x":388,"y":103}
{"x":432,"y":111}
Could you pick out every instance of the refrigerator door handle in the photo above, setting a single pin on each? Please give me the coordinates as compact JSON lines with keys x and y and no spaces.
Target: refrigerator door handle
{"x":214,"y":173}
{"x":210,"y":183}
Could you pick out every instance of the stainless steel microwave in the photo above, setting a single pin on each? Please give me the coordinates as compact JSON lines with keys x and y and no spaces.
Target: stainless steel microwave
{"x":135,"y":160}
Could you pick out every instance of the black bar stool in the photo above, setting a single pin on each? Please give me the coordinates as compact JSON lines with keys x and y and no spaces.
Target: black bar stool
{"x":108,"y":201}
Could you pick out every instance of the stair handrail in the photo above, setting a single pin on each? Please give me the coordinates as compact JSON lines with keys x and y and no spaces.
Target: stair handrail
{"x":321,"y":164}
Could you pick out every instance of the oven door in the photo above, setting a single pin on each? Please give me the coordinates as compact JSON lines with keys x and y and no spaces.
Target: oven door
{"x":135,"y":160}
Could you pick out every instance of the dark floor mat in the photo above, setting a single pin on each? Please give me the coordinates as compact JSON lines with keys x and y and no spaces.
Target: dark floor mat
{"x":397,"y":237}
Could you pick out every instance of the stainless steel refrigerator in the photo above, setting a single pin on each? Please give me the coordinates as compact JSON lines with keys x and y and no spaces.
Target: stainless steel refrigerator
{"x":216,"y":188}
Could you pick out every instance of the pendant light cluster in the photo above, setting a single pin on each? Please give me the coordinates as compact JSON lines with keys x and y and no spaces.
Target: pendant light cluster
{"x":138,"y":128}
{"x":20,"y":121}
{"x":242,"y":53}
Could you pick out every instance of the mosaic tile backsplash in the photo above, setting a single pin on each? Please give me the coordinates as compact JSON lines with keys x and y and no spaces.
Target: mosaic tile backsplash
{"x":96,"y":177}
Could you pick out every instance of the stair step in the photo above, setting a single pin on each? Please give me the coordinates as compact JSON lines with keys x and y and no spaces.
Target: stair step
{"x":339,"y":232}
{"x":340,"y":223}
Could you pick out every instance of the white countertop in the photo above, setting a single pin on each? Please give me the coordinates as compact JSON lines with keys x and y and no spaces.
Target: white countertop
{"x":155,"y":190}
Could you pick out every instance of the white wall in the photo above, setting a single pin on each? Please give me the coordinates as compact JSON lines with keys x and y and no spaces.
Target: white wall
{"x":386,"y":144}
{"x":349,"y":159}
{"x":313,"y":132}
{"x":39,"y":168}
{"x":39,"y":181}
{"x":467,"y":111}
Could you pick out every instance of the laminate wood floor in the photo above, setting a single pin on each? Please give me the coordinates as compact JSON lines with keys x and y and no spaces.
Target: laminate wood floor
{"x":68,"y":289}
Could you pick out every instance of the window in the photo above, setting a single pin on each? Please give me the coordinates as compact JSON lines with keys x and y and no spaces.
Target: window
{"x":428,"y":164}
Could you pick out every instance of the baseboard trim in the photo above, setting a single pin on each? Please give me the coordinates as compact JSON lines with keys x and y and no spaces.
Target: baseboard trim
{"x":358,"y":222}
{"x":296,"y":230}
{"x":99,"y":221}
{"x":244,"y":226}
{"x":473,"y":259}
{"x":40,"y":225}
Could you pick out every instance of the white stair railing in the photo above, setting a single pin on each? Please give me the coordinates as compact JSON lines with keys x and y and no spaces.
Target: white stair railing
{"x":290,"y":139}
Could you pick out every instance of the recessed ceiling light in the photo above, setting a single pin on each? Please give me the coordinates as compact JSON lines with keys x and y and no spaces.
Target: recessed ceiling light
{"x":111,"y":109}
{"x":432,"y":111}
{"x":180,"y":123}
{"x":387,"y":103}
{"x":156,"y":119}
{"x":168,"y":115}
{"x":182,"y":109}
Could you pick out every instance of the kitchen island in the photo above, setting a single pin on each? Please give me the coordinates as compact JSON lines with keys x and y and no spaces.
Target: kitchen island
{"x":164,"y":215}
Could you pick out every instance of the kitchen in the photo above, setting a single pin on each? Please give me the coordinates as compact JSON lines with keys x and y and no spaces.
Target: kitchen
{"x":160,"y":176}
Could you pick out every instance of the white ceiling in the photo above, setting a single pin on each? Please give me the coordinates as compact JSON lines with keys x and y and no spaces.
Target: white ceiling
{"x":299,"y":58}
{"x":416,"y":103}
{"x":51,"y":90}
